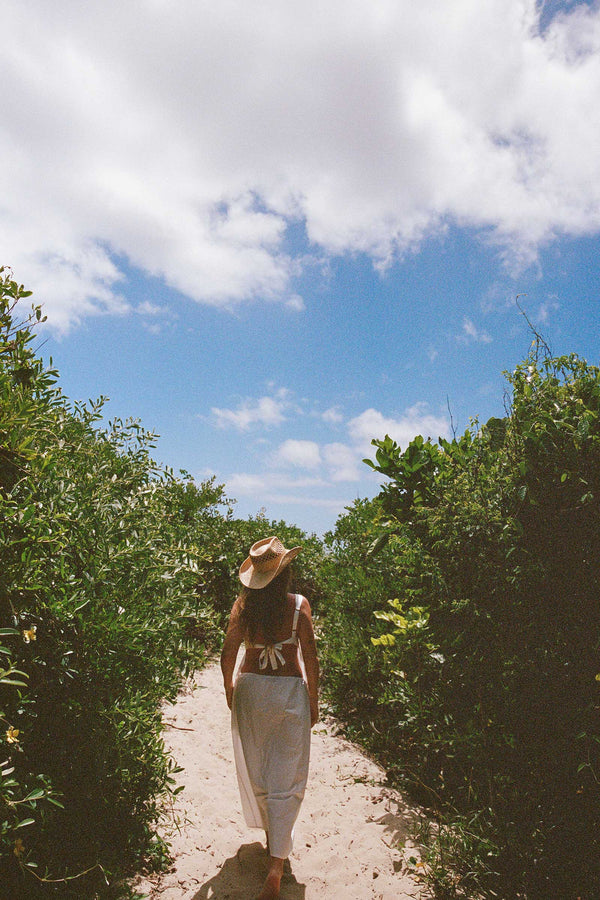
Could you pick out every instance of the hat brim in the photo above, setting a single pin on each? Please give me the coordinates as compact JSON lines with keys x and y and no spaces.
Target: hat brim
{"x":252,"y":578}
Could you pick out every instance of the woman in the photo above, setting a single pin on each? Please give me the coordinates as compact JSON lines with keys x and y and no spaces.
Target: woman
{"x":273,"y":707}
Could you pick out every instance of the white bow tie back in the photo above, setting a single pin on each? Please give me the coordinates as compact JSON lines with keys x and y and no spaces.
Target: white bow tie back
{"x":271,"y":654}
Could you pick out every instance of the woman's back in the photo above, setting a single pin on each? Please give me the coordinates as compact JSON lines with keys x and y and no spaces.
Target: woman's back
{"x":279,"y":657}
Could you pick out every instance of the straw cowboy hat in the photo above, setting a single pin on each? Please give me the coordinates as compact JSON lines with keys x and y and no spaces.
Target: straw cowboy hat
{"x":267,"y":558}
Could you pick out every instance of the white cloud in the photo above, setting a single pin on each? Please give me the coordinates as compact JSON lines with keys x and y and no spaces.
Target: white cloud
{"x":154,"y":318}
{"x":333,"y":504}
{"x":185,"y":137}
{"x":146,"y":308}
{"x":301,"y":454}
{"x":255,"y":485}
{"x":264,"y":411}
{"x":275,"y":488}
{"x":306,"y":473}
{"x":470,"y":332}
{"x":332,"y":416}
{"x":342,"y":462}
{"x":246,"y":484}
{"x":372,"y":424}
{"x":296,"y":303}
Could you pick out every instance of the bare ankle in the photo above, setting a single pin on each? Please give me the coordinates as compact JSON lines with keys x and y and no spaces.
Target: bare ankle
{"x":276,"y":865}
{"x":272,"y":885}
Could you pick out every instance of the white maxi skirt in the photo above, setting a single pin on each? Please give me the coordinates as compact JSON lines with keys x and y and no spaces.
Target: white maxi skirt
{"x":270,"y":727}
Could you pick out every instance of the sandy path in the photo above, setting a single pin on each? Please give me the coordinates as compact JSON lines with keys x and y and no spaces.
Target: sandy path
{"x":351,"y":835}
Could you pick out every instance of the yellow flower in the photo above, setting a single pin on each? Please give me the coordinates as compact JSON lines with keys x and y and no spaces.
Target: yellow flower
{"x":29,"y":634}
{"x":19,"y":848}
{"x":12,"y":735}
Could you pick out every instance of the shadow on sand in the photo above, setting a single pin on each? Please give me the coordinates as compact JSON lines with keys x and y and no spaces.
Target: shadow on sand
{"x":241,"y":877}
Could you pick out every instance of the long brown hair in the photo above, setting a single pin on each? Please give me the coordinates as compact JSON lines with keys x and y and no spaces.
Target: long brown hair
{"x":263,"y":609}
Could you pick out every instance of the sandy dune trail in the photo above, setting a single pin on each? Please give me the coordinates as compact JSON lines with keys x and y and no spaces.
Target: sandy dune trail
{"x":350,"y":839}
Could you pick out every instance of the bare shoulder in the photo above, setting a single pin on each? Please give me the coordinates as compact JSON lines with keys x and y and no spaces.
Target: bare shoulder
{"x":304,"y":604}
{"x":305,"y":619}
{"x":235,"y":611}
{"x":306,"y":632}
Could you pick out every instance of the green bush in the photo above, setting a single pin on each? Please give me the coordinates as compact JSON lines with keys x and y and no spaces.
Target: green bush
{"x":485,"y":694}
{"x":355,"y":583}
{"x":100,"y":579}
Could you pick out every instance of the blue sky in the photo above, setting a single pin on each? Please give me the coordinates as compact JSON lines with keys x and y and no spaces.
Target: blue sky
{"x":274,"y":233}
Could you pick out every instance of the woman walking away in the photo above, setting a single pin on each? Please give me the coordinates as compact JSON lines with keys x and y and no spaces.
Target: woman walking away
{"x":274,"y":699}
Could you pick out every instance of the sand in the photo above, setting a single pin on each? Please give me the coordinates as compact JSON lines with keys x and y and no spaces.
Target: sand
{"x":351,"y":839}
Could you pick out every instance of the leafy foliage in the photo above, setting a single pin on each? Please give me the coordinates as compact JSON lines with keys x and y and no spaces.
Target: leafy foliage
{"x":101,"y":573}
{"x":354,"y":584}
{"x":485,"y":695}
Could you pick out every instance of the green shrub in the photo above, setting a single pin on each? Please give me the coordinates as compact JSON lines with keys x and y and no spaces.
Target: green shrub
{"x":354,"y":584}
{"x":100,"y":578}
{"x":484,"y":697}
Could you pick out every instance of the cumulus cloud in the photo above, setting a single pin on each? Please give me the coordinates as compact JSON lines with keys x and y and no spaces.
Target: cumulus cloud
{"x":304,"y":472}
{"x":185,"y":138}
{"x":373,"y":424}
{"x":300,"y":454}
{"x":265,"y":411}
{"x":342,"y":462}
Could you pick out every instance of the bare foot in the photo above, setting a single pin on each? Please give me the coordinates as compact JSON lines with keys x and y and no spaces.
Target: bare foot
{"x":271,"y":887}
{"x":270,"y":890}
